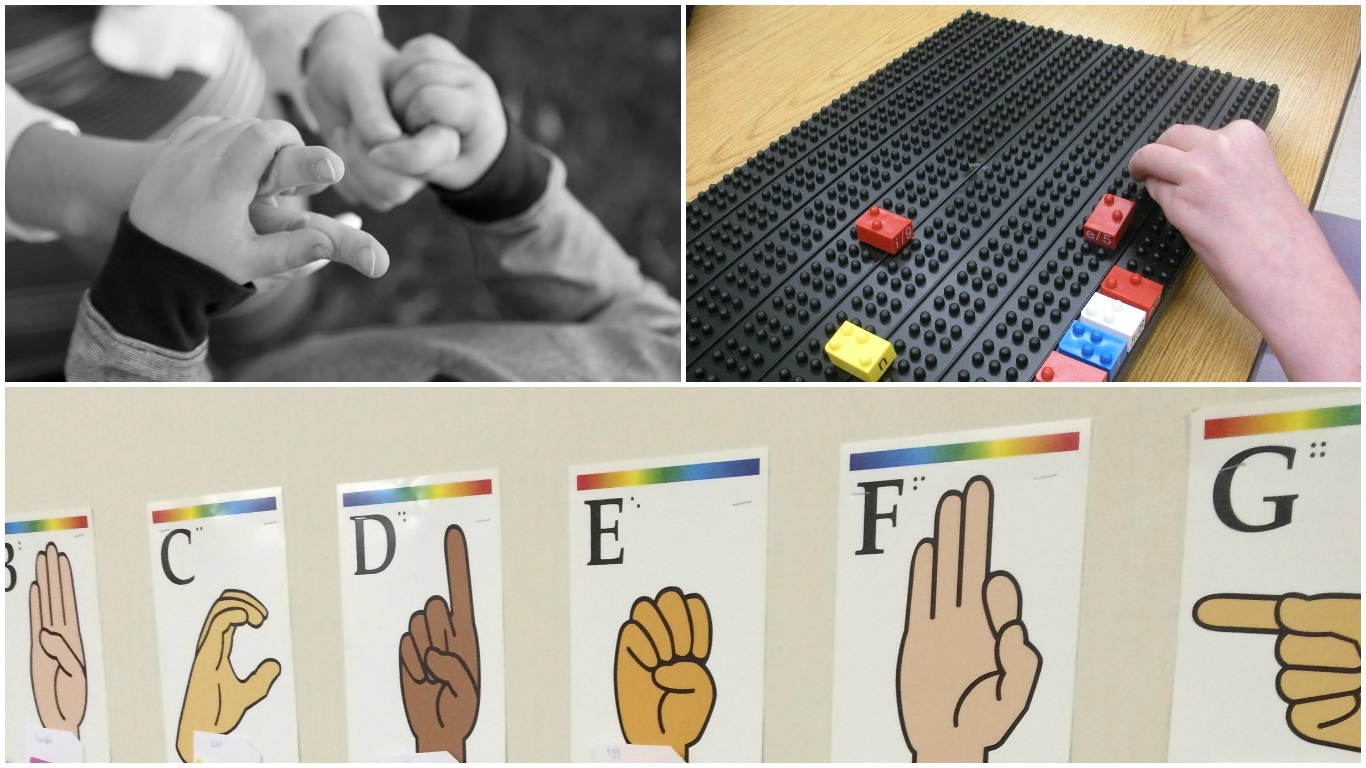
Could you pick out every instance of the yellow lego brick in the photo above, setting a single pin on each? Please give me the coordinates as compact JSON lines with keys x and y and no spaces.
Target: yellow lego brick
{"x":859,"y":352}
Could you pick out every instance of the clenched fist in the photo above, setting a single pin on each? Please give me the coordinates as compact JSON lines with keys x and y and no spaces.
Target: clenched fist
{"x":967,"y":670}
{"x":56,"y":654}
{"x":439,"y":661}
{"x":665,"y":694}
{"x":1318,"y":646}
{"x":215,"y":700}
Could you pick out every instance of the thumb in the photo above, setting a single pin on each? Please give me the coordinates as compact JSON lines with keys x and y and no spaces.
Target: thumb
{"x":371,"y":117}
{"x":452,"y":671}
{"x":55,"y":645}
{"x":258,"y":683}
{"x":1019,"y":662}
{"x":684,"y":677}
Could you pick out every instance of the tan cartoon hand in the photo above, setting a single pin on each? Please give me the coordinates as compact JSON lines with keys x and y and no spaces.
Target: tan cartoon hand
{"x":439,"y":661}
{"x":1319,"y":650}
{"x":56,"y":655}
{"x":215,"y":700}
{"x":665,"y":693}
{"x":967,"y":670}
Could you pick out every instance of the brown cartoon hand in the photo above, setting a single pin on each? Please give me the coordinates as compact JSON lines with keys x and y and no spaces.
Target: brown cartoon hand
{"x":665,"y":694}
{"x":1319,"y":650}
{"x":56,"y":655}
{"x":967,"y":670}
{"x":215,"y":700}
{"x":439,"y":661}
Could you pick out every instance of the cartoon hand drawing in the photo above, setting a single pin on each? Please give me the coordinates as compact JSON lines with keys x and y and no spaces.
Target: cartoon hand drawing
{"x":665,"y":694}
{"x":439,"y":661}
{"x":1318,"y":646}
{"x":56,"y":655}
{"x":967,"y":670}
{"x":215,"y":700}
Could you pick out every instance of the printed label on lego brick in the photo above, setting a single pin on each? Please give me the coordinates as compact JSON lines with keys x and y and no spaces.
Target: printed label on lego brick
{"x":1268,"y":658}
{"x":422,"y":583}
{"x":666,"y":606}
{"x":55,"y":707}
{"x":958,"y":591}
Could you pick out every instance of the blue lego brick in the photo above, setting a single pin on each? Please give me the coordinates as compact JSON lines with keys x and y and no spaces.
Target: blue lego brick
{"x":1094,"y":346}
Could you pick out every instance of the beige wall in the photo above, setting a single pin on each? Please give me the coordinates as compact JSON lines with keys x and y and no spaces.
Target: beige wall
{"x":118,"y":448}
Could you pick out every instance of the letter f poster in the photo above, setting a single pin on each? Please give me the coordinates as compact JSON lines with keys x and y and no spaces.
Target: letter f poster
{"x":958,"y":592}
{"x":422,"y":618}
{"x":1268,"y":658}
{"x":667,"y":562}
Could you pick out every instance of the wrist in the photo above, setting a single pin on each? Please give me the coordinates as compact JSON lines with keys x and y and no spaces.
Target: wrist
{"x":949,"y":753}
{"x":441,"y":743}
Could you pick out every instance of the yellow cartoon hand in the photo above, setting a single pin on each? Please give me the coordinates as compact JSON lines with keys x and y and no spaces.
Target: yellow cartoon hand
{"x":665,"y":694}
{"x":967,"y":670}
{"x":1319,"y":650}
{"x":215,"y":700}
{"x":56,"y":654}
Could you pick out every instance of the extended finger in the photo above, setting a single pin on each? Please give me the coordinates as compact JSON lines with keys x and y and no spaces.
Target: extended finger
{"x":1183,"y":137}
{"x":948,"y":526}
{"x":977,"y":511}
{"x":676,"y":621}
{"x":920,"y":595}
{"x":1334,"y":614}
{"x":314,"y":236}
{"x":633,"y":642}
{"x":458,"y":581}
{"x":44,"y":577}
{"x":1002,"y":600}
{"x":35,"y":615}
{"x":409,"y":659}
{"x":700,"y":617}
{"x":439,"y":623}
{"x":71,"y":619}
{"x":1158,"y":161}
{"x":1304,"y":684}
{"x":433,"y":147}
{"x":301,"y":171}
{"x":1312,"y":652}
{"x":258,"y":683}
{"x":1332,"y":721}
{"x":1238,"y":613}
{"x":55,"y":645}
{"x":647,"y":616}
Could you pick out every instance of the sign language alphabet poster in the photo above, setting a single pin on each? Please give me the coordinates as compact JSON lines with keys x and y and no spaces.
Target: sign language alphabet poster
{"x":1268,"y":661}
{"x":54,"y":661}
{"x":667,"y":564}
{"x":422,"y":617}
{"x":957,"y":595}
{"x":221,"y":595}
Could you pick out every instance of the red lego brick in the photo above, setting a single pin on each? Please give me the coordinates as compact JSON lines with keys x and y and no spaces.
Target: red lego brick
{"x":884,"y":229}
{"x":1106,"y":224}
{"x":1134,"y":290}
{"x":1060,"y":367}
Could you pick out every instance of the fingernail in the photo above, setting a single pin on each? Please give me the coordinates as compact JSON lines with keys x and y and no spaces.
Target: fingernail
{"x":368,"y":255}
{"x":325,"y":170}
{"x":321,"y":252}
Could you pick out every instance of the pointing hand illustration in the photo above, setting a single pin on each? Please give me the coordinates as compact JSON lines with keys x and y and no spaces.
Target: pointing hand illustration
{"x":439,"y":661}
{"x":1318,"y":646}
{"x":967,"y":670}
{"x":56,"y":654}
{"x":665,"y":694}
{"x":215,"y":700}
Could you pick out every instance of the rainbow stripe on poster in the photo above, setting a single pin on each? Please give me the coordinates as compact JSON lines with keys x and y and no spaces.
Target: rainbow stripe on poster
{"x":1288,"y":421}
{"x":240,"y":507}
{"x":711,"y":470}
{"x":46,"y":526}
{"x":418,"y":493}
{"x":982,"y":449}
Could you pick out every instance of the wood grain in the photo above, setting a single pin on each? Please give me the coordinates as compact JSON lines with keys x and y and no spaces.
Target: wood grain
{"x":753,"y":72}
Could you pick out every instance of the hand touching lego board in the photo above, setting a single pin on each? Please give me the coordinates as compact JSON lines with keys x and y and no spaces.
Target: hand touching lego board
{"x":666,"y":604}
{"x":1268,"y":662}
{"x":422,"y":617}
{"x":959,"y":586}
{"x":54,"y":657}
{"x":221,"y":596}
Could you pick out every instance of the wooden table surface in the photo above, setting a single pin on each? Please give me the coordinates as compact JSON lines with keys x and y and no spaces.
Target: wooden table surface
{"x":756,"y":71}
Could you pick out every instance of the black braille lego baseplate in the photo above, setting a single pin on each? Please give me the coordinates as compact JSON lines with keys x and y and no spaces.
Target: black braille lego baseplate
{"x":996,"y":138}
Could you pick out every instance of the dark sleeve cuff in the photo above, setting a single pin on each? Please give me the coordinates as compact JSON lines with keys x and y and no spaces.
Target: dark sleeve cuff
{"x":158,"y":295}
{"x":515,"y":181}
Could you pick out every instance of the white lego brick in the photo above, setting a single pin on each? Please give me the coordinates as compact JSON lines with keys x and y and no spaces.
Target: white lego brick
{"x":1115,"y":317}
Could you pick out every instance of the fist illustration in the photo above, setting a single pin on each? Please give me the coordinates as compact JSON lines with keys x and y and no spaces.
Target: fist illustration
{"x":1318,"y":646}
{"x":665,"y":694}
{"x":56,"y":655}
{"x":215,"y":700}
{"x":967,"y":670}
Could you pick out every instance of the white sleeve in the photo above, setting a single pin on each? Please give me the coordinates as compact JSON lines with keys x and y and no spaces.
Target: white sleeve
{"x":280,"y":33}
{"x":19,"y":117}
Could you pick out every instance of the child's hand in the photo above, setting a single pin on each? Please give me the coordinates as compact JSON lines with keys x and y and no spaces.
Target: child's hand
{"x":210,"y":195}
{"x":452,"y":107}
{"x":1225,"y":192}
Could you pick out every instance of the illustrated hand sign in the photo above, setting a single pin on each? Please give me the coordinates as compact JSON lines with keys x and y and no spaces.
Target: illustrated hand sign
{"x":1318,"y":646}
{"x":967,"y":670}
{"x":439,"y":661}
{"x":665,"y":694}
{"x":215,"y":699}
{"x":56,"y":655}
